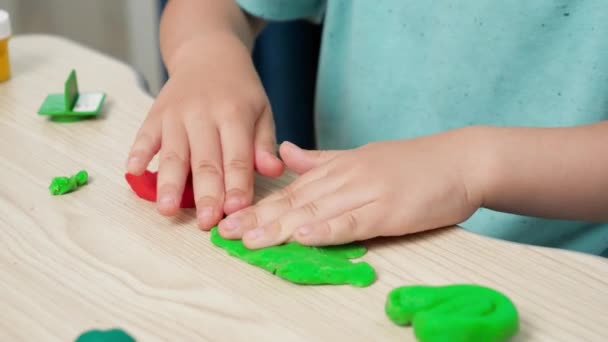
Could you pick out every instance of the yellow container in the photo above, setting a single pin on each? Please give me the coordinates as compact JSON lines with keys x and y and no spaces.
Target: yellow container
{"x":5,"y":34}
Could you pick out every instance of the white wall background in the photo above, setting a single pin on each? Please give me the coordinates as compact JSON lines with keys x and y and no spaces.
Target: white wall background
{"x":124,"y":29}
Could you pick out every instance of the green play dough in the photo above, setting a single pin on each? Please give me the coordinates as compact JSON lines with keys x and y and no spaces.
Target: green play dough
{"x":72,"y":105}
{"x":63,"y":185}
{"x":305,"y":265}
{"x":454,"y":313}
{"x":113,"y":335}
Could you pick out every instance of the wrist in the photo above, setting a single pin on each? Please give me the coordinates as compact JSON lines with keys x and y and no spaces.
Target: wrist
{"x":480,"y":162}
{"x":206,"y":49}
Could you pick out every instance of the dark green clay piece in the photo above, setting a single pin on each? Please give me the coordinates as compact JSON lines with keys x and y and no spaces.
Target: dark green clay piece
{"x":113,"y":335}
{"x":454,"y":313}
{"x":63,"y":185}
{"x":305,"y":265}
{"x":71,"y":90}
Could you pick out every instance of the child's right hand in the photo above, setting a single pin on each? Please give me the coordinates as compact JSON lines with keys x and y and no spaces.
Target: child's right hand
{"x":212,"y":118}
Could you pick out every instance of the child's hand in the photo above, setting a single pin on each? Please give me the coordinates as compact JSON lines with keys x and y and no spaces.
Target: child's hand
{"x":382,"y":189}
{"x":212,"y":118}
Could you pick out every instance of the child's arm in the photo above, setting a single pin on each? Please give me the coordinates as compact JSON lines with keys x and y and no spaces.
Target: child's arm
{"x":548,"y":172}
{"x":405,"y":186}
{"x":186,"y":24}
{"x":212,"y":117}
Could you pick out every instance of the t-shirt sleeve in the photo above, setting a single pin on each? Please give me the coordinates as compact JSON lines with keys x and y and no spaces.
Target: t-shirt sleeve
{"x":282,"y":10}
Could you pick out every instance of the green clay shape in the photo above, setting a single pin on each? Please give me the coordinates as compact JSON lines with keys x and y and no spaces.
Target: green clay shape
{"x":113,"y":335}
{"x":305,"y":265}
{"x":71,"y":105}
{"x":63,"y":185}
{"x":454,"y":313}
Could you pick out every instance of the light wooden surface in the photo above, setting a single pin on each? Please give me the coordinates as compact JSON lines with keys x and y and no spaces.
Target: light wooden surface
{"x":100,"y":257}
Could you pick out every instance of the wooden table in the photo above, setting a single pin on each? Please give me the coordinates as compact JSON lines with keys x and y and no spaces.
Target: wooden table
{"x":101,"y":257}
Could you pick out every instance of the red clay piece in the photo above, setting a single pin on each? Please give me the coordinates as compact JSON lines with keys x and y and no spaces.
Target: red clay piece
{"x":144,"y":186}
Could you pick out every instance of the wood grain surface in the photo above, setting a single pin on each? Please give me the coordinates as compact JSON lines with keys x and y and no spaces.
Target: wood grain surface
{"x":102,"y":258}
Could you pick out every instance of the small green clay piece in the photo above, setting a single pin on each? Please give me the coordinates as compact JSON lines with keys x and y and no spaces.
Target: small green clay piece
{"x":455,"y":313}
{"x":113,"y":335}
{"x":63,"y":185}
{"x":305,"y":265}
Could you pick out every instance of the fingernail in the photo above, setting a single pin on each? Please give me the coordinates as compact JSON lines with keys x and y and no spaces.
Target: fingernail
{"x":305,"y":230}
{"x":132,"y":162}
{"x":255,"y":234}
{"x":205,"y":213}
{"x":230,"y":223}
{"x":294,"y":146}
{"x":167,"y":200}
{"x":235,"y":200}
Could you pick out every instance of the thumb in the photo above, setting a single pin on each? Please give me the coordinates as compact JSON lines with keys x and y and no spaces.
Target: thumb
{"x":300,"y":160}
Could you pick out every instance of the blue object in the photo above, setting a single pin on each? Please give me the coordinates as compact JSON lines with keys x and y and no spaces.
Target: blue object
{"x":286,"y":56}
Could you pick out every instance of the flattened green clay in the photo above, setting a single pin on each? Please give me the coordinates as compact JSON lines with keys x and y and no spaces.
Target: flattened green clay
{"x":305,"y":265}
{"x":113,"y":335}
{"x":454,"y":313}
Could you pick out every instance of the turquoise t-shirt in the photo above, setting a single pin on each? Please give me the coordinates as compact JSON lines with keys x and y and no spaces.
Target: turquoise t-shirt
{"x":393,"y":69}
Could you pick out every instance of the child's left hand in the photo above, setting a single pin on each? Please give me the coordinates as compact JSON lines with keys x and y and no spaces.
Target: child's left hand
{"x":381,"y":189}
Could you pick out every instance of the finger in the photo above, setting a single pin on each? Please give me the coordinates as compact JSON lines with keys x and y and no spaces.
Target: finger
{"x":145,"y":146}
{"x":291,"y":197}
{"x":303,"y":181}
{"x":301,"y":160}
{"x":311,"y":213}
{"x":207,"y":174}
{"x":173,"y":167}
{"x":266,"y":161}
{"x":237,"y":149}
{"x":353,"y":225}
